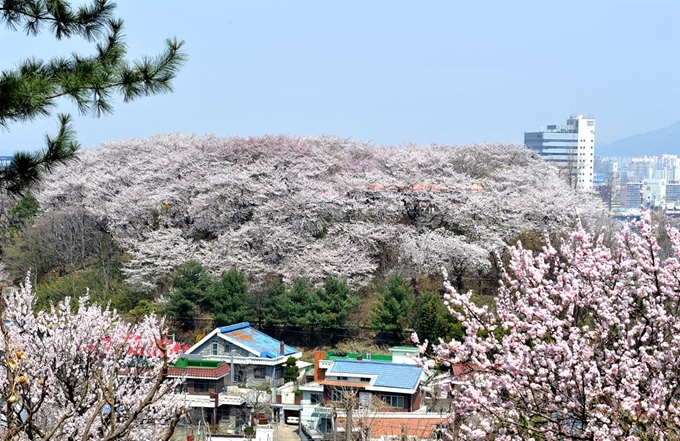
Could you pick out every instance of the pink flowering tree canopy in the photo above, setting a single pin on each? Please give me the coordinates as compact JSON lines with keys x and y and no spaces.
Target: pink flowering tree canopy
{"x":82,"y":373}
{"x":583,"y":344}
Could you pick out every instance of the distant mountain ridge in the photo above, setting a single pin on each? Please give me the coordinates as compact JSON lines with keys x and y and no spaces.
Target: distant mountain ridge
{"x":655,"y":143}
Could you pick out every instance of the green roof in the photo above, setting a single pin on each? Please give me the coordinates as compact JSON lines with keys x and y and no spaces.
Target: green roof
{"x":404,"y":348}
{"x":342,"y":355}
{"x":188,"y":363}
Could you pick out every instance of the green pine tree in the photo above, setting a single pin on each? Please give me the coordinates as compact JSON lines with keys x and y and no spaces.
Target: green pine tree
{"x":272,"y":311}
{"x":433,"y":321}
{"x":188,"y":287}
{"x":228,"y":299}
{"x":295,"y":304}
{"x":392,"y":314}
{"x":22,"y":214}
{"x":33,"y":88}
{"x":333,"y":303}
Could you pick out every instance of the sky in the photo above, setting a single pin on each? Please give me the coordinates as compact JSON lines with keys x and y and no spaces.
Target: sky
{"x":389,"y":72}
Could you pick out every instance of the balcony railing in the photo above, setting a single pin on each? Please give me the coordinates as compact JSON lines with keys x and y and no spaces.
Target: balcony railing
{"x":195,"y":400}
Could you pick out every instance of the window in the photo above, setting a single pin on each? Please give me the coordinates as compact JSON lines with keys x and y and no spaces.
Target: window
{"x":213,"y":349}
{"x":316,"y":398}
{"x":201,"y":386}
{"x":259,"y":373}
{"x":393,"y":400}
{"x":223,"y":412}
{"x":336,"y":396}
{"x":365,"y":400}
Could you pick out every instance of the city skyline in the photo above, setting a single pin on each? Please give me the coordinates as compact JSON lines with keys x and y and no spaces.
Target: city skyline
{"x":413,"y":72}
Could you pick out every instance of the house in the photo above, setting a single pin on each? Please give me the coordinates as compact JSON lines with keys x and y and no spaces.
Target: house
{"x":369,"y":386}
{"x":233,"y":373}
{"x":201,"y":376}
{"x":256,"y":357}
{"x":207,"y":393}
{"x":395,"y":385}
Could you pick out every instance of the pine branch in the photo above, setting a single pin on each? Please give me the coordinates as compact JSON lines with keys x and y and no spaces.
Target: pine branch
{"x":30,"y":91}
{"x":32,"y":15}
{"x":28,"y":168}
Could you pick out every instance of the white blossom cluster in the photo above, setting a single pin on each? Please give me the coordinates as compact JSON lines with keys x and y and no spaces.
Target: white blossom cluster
{"x":311,"y":206}
{"x":80,"y":372}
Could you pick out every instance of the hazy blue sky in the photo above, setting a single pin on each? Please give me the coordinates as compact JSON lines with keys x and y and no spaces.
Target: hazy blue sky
{"x":391,"y":72}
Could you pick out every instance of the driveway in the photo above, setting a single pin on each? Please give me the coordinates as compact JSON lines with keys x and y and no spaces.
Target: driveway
{"x":285,"y":432}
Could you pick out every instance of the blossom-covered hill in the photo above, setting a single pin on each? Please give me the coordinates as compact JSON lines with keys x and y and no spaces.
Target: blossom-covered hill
{"x":312,"y":206}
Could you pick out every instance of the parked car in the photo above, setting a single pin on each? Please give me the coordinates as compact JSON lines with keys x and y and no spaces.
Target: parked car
{"x":290,"y":419}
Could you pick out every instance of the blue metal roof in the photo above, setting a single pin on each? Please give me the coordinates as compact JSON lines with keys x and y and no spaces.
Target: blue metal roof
{"x":401,"y":376}
{"x":257,"y":341}
{"x":225,"y":329}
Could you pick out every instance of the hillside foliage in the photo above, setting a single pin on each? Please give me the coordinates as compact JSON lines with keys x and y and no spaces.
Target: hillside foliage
{"x":301,"y":312}
{"x":311,"y":207}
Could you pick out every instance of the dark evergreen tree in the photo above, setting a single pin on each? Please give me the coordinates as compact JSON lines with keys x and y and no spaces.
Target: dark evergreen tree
{"x":187,"y":294}
{"x":295,"y":304}
{"x":333,"y":303}
{"x":291,"y":371}
{"x":272,"y":311}
{"x":228,"y":299}
{"x":432,"y":320}
{"x":22,"y":214}
{"x":259,"y":298}
{"x":32,"y":89}
{"x":392,"y":314}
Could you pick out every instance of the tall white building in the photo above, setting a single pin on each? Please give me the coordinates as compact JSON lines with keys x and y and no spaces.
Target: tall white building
{"x":570,"y":146}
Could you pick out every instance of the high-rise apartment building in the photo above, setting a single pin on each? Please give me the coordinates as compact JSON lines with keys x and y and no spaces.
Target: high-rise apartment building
{"x":570,"y":146}
{"x":673,"y":193}
{"x":632,"y":195}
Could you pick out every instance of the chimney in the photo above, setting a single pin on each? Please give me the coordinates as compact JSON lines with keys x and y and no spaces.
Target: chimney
{"x":283,"y":348}
{"x":319,"y":374}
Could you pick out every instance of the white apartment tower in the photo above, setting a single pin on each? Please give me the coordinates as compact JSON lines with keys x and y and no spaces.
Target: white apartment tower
{"x":570,"y":146}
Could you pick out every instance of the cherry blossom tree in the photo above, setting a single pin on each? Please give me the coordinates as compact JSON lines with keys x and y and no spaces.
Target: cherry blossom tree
{"x":583,"y":343}
{"x":311,"y":207}
{"x":81,"y":373}
{"x":440,"y":246}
